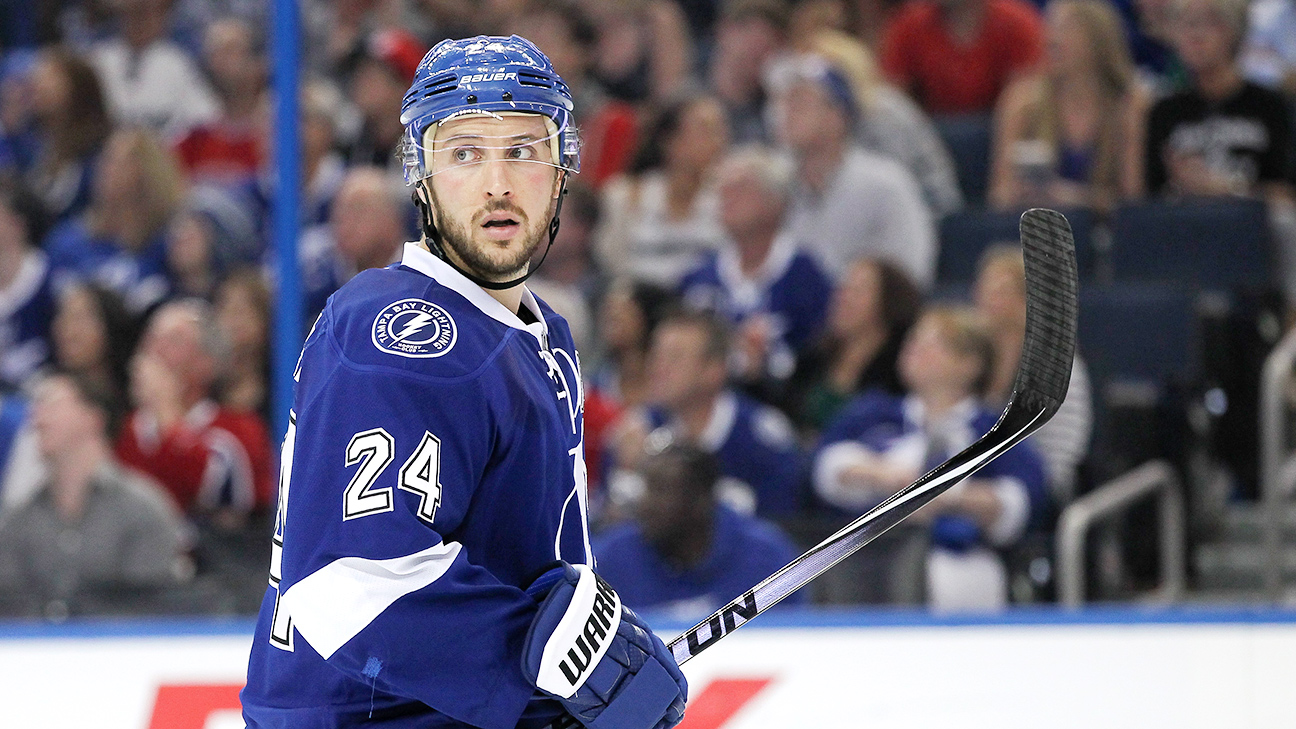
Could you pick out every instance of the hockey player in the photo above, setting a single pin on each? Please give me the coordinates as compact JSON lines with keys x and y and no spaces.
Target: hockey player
{"x":431,"y":561}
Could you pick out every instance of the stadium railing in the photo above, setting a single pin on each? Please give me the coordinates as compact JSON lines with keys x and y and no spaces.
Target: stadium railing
{"x":1106,"y":502}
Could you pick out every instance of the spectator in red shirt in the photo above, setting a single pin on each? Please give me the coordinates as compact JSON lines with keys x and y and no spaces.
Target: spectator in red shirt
{"x":955,"y":56}
{"x":214,"y":461}
{"x":228,"y":149}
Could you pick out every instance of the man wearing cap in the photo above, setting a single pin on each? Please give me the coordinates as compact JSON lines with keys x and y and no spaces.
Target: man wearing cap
{"x":847,"y":202}
{"x":431,"y":563}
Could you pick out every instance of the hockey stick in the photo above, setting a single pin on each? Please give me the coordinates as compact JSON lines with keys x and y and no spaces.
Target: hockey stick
{"x":1043,"y":375}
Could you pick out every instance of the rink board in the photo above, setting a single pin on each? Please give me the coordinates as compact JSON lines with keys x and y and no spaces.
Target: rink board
{"x":1094,"y":669}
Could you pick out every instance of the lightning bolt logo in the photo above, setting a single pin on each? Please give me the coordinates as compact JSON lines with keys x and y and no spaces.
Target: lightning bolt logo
{"x":414,"y":328}
{"x":414,"y":325}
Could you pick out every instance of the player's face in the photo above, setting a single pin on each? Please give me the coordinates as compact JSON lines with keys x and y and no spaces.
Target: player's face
{"x":493,"y":191}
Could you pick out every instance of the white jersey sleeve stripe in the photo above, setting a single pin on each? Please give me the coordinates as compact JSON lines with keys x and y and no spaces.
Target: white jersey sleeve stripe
{"x":330,"y":606}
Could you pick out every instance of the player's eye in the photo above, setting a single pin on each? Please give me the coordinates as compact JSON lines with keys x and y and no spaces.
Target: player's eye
{"x":463,"y":154}
{"x":527,"y":152}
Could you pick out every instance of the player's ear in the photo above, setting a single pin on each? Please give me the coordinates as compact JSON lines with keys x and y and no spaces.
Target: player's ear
{"x":560,"y":183}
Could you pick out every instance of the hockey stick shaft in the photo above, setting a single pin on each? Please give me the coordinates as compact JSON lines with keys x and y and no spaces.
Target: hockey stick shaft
{"x":1042,"y":379}
{"x":847,"y":541}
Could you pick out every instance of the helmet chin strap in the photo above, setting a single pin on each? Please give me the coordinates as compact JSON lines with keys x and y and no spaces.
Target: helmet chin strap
{"x":433,"y":238}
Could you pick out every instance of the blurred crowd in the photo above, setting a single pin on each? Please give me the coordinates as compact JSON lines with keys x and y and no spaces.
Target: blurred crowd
{"x":748,"y":260}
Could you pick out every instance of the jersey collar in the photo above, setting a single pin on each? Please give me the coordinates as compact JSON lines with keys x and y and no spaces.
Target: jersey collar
{"x":418,"y":258}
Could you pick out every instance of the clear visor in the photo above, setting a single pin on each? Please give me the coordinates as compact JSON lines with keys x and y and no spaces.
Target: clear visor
{"x":470,"y":138}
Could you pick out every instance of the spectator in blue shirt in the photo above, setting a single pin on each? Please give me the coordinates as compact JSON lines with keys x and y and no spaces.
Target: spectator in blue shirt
{"x":773,"y":293}
{"x":54,"y":130}
{"x":881,"y":443}
{"x":684,"y":553}
{"x":121,"y":240}
{"x":366,"y":229}
{"x":760,"y":460}
{"x":26,"y":300}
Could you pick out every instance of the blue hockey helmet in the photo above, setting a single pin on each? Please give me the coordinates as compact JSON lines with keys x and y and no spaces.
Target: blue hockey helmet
{"x":488,"y":75}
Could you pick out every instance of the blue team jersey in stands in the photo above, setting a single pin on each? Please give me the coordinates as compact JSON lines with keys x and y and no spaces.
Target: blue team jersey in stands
{"x":433,"y":468}
{"x":790,"y":287}
{"x":139,"y":275}
{"x":744,"y":550}
{"x":883,"y":422}
{"x":26,"y":310}
{"x":756,"y":447}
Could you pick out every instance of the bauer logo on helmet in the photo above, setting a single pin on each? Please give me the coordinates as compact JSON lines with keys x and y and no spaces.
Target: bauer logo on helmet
{"x":478,"y":78}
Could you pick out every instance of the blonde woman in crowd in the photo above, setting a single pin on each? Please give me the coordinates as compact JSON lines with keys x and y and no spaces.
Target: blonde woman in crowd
{"x":1000,"y":296}
{"x":1064,"y":135}
{"x":121,"y":240}
{"x":880,"y":443}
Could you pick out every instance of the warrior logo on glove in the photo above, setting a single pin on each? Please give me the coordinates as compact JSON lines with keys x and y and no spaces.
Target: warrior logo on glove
{"x":581,"y":638}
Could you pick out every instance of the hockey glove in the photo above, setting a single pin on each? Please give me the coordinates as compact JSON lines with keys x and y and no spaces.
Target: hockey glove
{"x":597,"y":658}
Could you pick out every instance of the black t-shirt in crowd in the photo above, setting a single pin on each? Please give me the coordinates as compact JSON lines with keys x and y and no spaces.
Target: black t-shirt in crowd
{"x":1247,"y":136}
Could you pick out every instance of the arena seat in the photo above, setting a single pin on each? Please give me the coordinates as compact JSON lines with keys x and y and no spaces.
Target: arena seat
{"x":1211,"y":243}
{"x":1141,"y":343}
{"x":965,"y":235}
{"x":968,"y":139}
{"x":1139,"y":332}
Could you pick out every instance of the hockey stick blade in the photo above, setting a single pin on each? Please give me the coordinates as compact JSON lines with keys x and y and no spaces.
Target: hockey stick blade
{"x":1043,"y":375}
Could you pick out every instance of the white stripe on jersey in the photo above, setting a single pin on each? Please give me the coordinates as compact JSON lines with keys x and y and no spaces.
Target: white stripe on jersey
{"x":333,"y":604}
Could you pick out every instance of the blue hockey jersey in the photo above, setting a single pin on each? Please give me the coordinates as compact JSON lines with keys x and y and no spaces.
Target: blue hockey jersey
{"x":433,"y":467}
{"x":790,"y":288}
{"x":894,"y":426}
{"x":26,"y":310}
{"x":744,"y":550}
{"x":756,"y":447}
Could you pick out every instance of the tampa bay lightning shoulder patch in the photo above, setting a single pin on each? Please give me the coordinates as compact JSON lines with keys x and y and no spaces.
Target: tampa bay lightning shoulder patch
{"x":414,"y":328}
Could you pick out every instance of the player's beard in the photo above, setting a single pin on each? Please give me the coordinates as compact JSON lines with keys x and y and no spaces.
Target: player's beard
{"x":458,"y":238}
